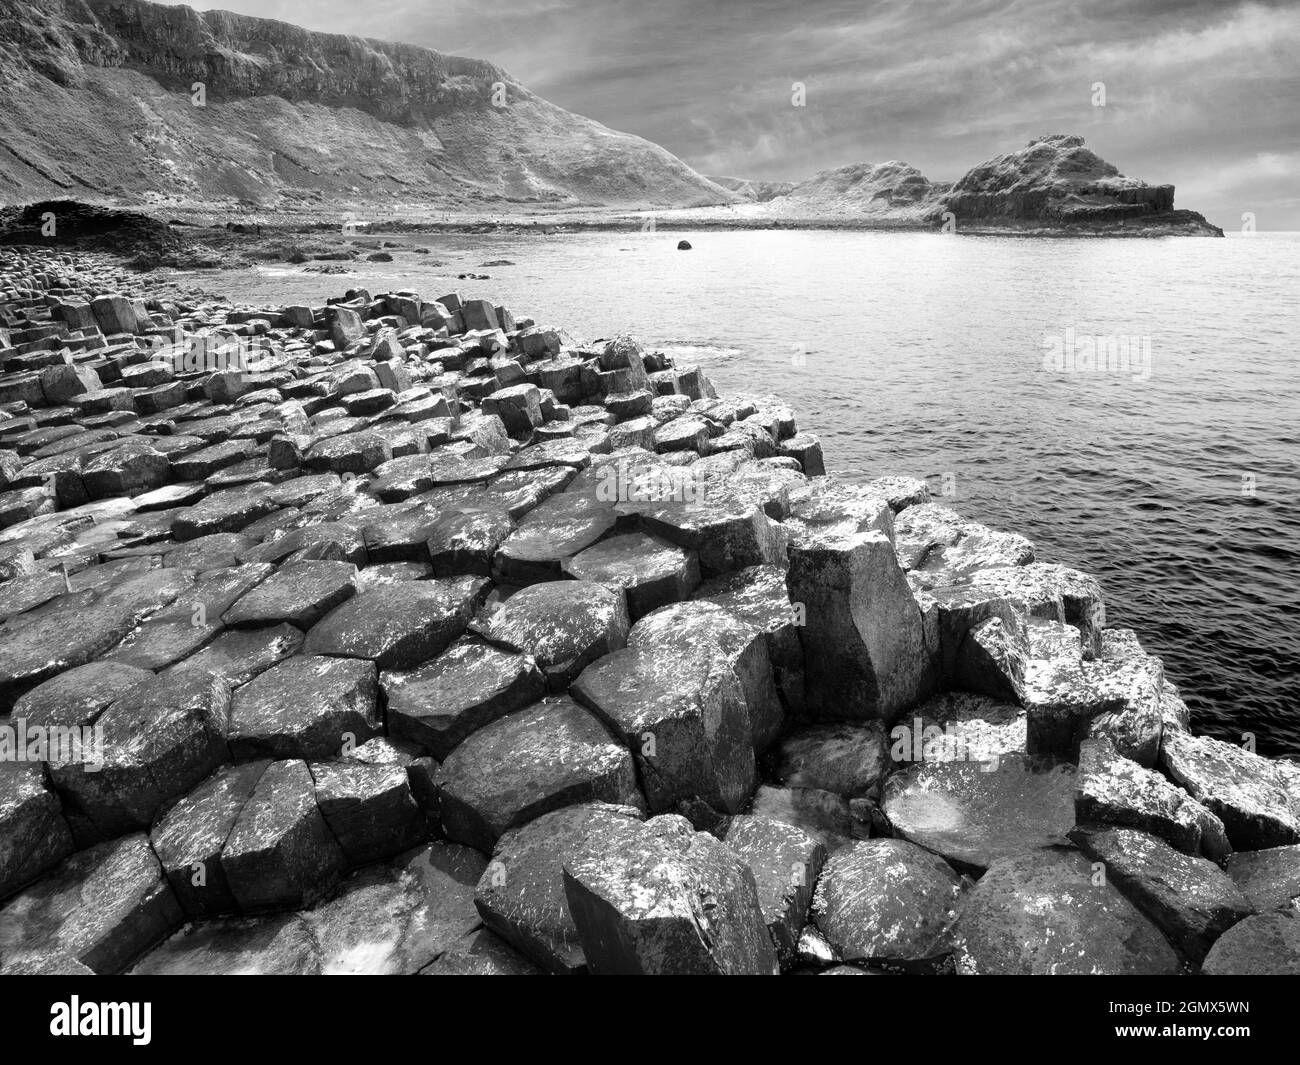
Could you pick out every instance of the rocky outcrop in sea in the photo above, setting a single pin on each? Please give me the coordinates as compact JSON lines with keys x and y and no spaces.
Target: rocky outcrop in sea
{"x":405,"y":634}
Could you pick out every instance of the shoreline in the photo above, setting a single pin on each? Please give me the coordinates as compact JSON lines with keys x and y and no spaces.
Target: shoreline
{"x":410,"y":491}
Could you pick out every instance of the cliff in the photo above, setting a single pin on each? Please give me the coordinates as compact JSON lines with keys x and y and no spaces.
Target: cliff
{"x":96,"y":98}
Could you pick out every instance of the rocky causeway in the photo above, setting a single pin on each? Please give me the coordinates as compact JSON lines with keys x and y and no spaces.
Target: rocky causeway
{"x":404,"y":633}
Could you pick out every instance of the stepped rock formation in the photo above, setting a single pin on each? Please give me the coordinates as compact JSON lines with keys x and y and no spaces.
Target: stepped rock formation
{"x":96,"y":100}
{"x":1053,"y":184}
{"x":395,"y":634}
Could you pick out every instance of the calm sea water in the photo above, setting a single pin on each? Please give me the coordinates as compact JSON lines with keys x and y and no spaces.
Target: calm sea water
{"x":1173,"y":479}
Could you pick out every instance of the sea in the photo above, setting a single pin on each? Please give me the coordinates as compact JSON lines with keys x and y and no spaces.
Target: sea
{"x":1130,"y":405}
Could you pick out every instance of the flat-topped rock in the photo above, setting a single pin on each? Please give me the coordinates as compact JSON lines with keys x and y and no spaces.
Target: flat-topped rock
{"x":1269,"y":878}
{"x":299,"y":594}
{"x":549,"y":755}
{"x":400,"y":626}
{"x":469,"y":685}
{"x":1264,"y":945}
{"x":652,"y":572}
{"x":308,"y":706}
{"x":274,"y":945}
{"x":561,"y":625}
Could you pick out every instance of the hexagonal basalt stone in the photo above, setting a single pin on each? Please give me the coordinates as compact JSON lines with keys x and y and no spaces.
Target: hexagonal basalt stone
{"x":280,"y":851}
{"x":103,"y":906}
{"x":370,"y":809}
{"x":159,"y":740}
{"x":555,"y":530}
{"x":465,"y":540}
{"x":561,"y":625}
{"x":188,"y":838}
{"x":886,"y":900}
{"x":676,"y":629}
{"x":306,"y":707}
{"x":226,"y":511}
{"x":1190,"y":899}
{"x":1244,"y":790}
{"x":400,"y":626}
{"x":667,"y":900}
{"x":240,"y":655}
{"x":468,"y":686}
{"x":1115,"y":790}
{"x":786,"y":863}
{"x":33,"y":834}
{"x":521,"y":894}
{"x":274,"y":945}
{"x":652,"y":572}
{"x":550,"y":755}
{"x":78,"y":696}
{"x":299,"y":593}
{"x":1045,"y":912}
{"x":682,"y":711}
{"x":399,"y":917}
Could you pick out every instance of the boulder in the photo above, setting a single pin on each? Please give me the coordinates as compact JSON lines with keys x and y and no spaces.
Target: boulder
{"x":1269,"y":878}
{"x":1267,"y":944}
{"x":34,"y":836}
{"x":308,"y":706}
{"x":668,"y":901}
{"x":370,"y":809}
{"x":274,"y":945}
{"x":652,"y":572}
{"x":886,"y":901}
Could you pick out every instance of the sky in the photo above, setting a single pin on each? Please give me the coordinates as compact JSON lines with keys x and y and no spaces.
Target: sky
{"x":1203,"y":94}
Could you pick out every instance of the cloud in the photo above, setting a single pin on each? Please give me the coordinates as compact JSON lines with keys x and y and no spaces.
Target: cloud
{"x":1194,"y":88}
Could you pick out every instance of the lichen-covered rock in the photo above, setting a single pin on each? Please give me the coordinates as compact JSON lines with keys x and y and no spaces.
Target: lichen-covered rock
{"x":1115,"y":790}
{"x":938,"y":547}
{"x":33,"y":833}
{"x":681,"y":710}
{"x":668,"y":901}
{"x":469,"y":685}
{"x":652,"y":572}
{"x":1046,"y":912}
{"x":549,"y":755}
{"x":521,"y":893}
{"x":280,"y":853}
{"x":103,"y":906}
{"x":886,"y":900}
{"x":78,"y":696}
{"x":1190,"y":899}
{"x":786,"y":862}
{"x":159,"y":739}
{"x":370,"y":809}
{"x":300,"y":594}
{"x":557,"y":529}
{"x":1267,"y":944}
{"x":239,"y":655}
{"x":189,"y":837}
{"x":308,"y":706}
{"x":1243,"y":789}
{"x":399,"y":917}
{"x":561,"y":625}
{"x":865,"y":654}
{"x":401,"y":626}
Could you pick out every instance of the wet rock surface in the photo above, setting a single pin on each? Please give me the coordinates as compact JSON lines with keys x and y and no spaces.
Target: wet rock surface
{"x":381,"y":643}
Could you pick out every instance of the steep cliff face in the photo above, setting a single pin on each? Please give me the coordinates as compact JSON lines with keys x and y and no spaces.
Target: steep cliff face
{"x":98,"y":96}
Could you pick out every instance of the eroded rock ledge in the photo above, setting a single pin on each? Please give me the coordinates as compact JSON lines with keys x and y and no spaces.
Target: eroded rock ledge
{"x":408,"y":635}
